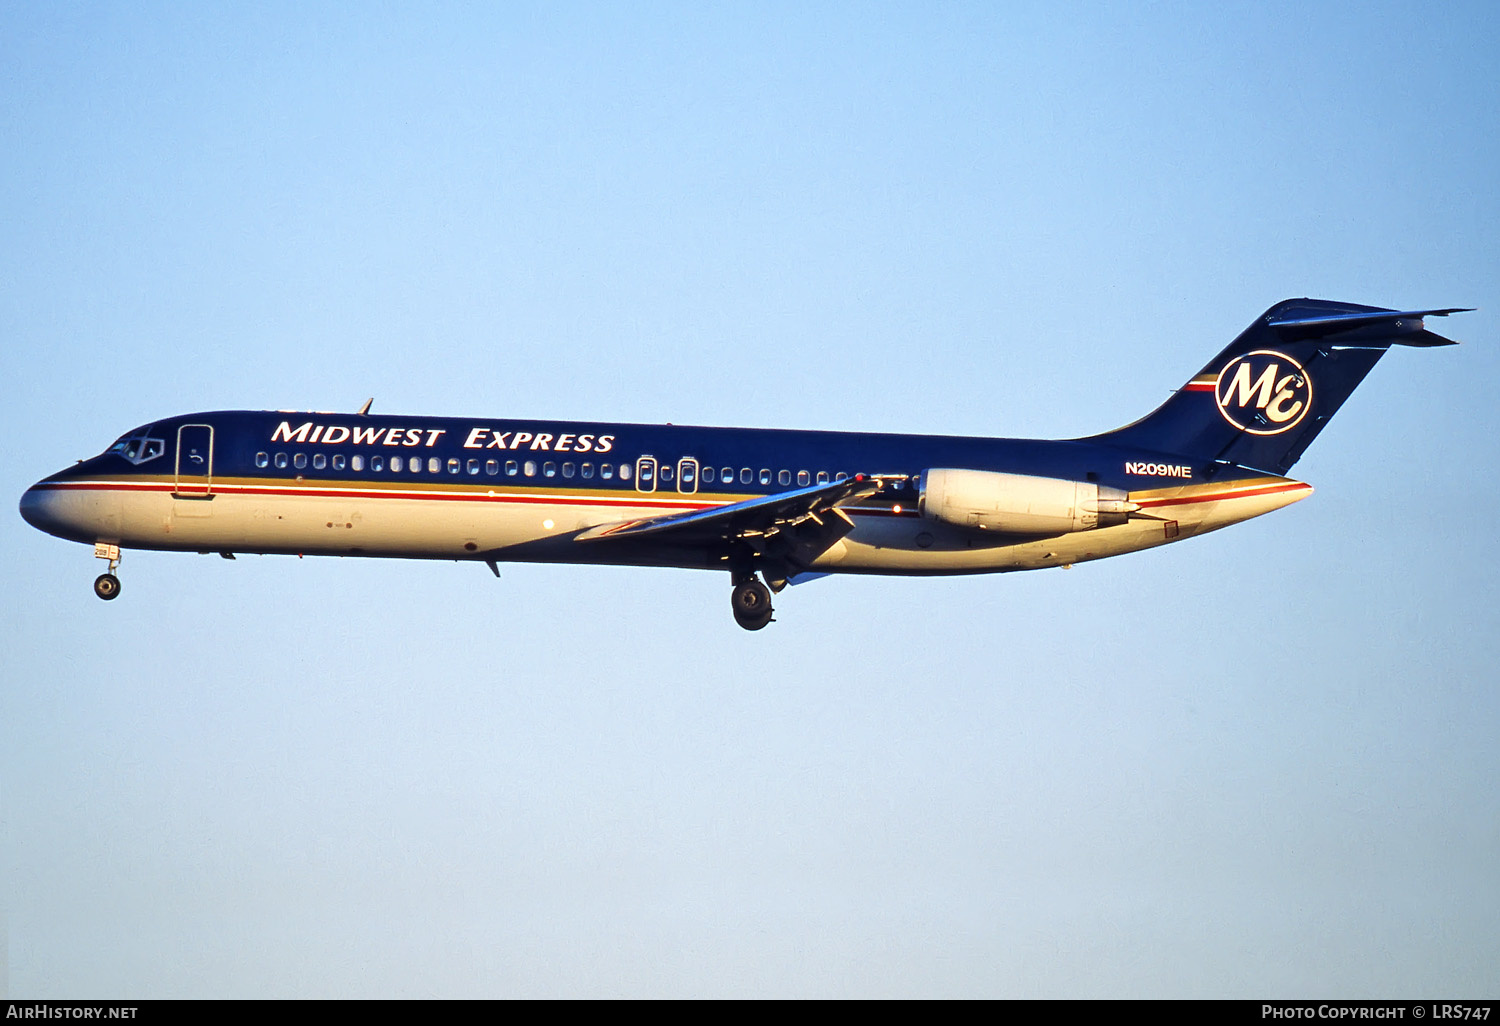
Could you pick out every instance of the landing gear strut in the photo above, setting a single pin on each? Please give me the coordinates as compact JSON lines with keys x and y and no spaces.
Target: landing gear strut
{"x":107,"y":585}
{"x":751,"y":601}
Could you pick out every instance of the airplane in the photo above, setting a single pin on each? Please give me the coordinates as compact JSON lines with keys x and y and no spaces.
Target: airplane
{"x":769,"y":507}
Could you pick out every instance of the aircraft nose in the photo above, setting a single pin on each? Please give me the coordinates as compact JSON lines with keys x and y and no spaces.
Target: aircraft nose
{"x":38,"y":511}
{"x":72,"y":508}
{"x":67,"y":513}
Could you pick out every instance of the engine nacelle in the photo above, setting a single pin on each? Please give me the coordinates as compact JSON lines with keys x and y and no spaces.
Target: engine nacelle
{"x":1019,"y":503}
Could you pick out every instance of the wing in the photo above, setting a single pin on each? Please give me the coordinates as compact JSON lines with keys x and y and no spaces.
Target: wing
{"x":794,"y":527}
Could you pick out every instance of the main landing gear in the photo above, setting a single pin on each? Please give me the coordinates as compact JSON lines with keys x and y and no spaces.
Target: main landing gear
{"x":107,"y":585}
{"x":751,"y":601}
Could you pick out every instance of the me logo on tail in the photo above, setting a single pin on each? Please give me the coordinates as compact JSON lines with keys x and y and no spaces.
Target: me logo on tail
{"x":1264,"y":392}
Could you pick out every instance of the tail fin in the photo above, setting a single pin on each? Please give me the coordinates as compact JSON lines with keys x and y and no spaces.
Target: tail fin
{"x":1263,"y":400}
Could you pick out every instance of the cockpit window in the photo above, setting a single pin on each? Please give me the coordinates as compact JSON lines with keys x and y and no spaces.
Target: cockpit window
{"x":138,"y":447}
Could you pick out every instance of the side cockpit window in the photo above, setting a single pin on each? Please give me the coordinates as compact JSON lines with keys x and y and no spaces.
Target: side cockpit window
{"x":138,"y":447}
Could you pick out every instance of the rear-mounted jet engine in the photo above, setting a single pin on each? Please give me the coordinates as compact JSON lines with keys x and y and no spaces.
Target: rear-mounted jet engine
{"x":986,"y":500}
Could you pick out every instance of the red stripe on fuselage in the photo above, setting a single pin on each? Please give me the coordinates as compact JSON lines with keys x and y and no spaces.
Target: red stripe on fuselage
{"x":1290,"y":486}
{"x":644,"y":500}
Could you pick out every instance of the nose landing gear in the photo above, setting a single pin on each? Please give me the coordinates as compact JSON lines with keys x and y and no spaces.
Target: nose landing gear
{"x":751,"y":601}
{"x":107,"y":585}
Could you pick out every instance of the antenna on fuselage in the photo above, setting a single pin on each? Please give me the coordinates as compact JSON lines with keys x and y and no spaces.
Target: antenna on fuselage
{"x":365,"y":409}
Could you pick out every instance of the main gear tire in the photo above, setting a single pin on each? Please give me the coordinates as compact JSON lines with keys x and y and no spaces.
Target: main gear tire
{"x":751,"y":602}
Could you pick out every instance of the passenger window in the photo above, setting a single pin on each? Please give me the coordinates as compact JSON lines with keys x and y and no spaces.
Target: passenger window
{"x":568,"y":470}
{"x":624,"y":471}
{"x":492,"y":467}
{"x":784,"y":477}
{"x":822,"y":477}
{"x":338,"y":461}
{"x":377,"y":463}
{"x":281,"y":461}
{"x":666,"y":474}
{"x":606,"y":470}
{"x":747,"y":476}
{"x":802,"y":478}
{"x":356,"y":463}
{"x":549,"y":469}
{"x":413,"y":463}
{"x":262,"y":460}
{"x":530,"y":468}
{"x":434,"y":465}
{"x":395,"y":464}
{"x":473,"y":468}
{"x":727,"y":475}
{"x":708,"y":475}
{"x":510,"y":468}
{"x":452,"y":465}
{"x":841,"y":476}
{"x":588,"y":471}
{"x":765,"y":476}
{"x":319,"y":461}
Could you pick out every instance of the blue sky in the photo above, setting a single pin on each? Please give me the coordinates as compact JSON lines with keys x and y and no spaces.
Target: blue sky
{"x":1261,"y":762}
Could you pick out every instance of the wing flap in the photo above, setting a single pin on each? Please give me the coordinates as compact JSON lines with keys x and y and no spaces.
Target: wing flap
{"x":761,"y":517}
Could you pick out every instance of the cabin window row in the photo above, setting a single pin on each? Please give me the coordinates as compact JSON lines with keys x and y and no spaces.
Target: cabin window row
{"x":687,"y":473}
{"x":436,"y":465}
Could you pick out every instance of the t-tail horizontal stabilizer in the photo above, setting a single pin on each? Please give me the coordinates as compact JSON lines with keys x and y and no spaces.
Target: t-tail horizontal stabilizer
{"x":1388,"y":327}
